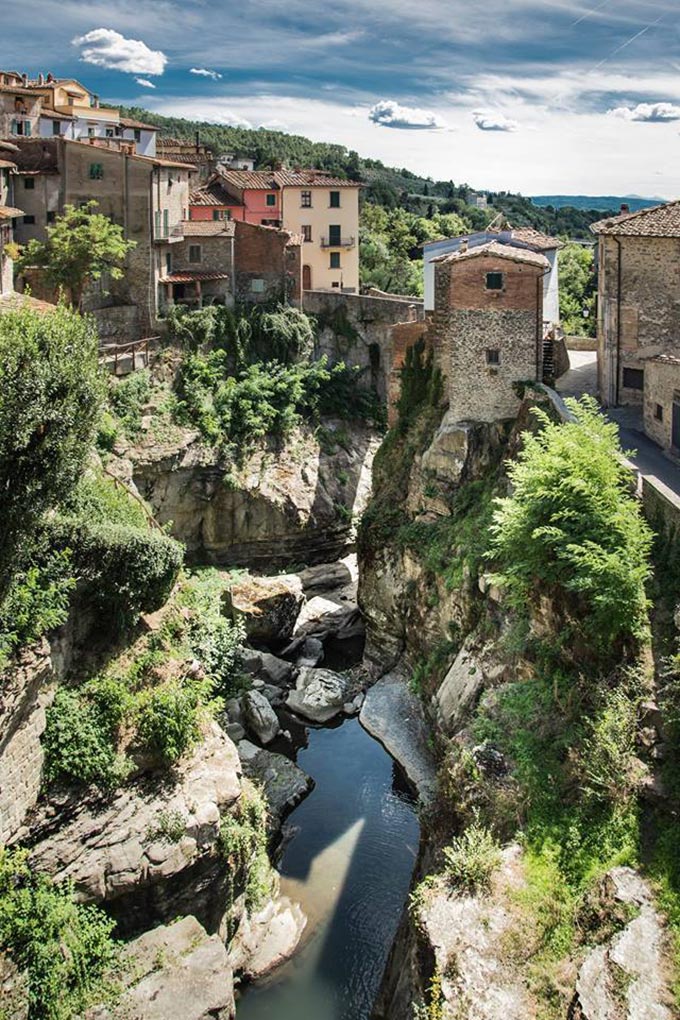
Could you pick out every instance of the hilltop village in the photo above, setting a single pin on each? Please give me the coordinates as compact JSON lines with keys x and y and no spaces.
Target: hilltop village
{"x":254,"y":505}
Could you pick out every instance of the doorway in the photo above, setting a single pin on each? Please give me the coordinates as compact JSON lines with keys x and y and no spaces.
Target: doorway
{"x":306,"y":277}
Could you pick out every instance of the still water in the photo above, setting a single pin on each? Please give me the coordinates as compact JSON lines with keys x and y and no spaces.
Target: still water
{"x":349,"y":864}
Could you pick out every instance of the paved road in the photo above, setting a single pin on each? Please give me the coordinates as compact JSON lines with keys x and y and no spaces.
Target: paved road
{"x":648,"y":458}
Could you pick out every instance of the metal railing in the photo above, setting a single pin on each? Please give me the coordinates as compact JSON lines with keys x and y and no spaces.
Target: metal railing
{"x":338,"y":242}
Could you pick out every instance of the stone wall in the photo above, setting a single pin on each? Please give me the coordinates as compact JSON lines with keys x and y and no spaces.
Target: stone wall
{"x":357,"y":329}
{"x":268,"y":264}
{"x":404,"y":335}
{"x":662,"y":381}
{"x":650,"y":313}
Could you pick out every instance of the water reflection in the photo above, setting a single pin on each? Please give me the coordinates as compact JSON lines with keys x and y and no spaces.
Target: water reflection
{"x":349,"y":864}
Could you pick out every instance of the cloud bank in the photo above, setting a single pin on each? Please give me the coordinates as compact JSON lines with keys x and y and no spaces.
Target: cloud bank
{"x":105,"y":47}
{"x":494,"y":122}
{"x":389,"y":114}
{"x":648,"y":113}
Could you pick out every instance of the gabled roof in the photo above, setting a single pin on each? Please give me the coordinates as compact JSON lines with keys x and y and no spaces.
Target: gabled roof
{"x":8,"y":212}
{"x":495,"y":250}
{"x":659,"y":221}
{"x":537,"y":240}
{"x":259,"y":180}
{"x":213,"y":193}
{"x":47,"y":111}
{"x":271,"y":180}
{"x":128,"y":122}
{"x":6,"y":164}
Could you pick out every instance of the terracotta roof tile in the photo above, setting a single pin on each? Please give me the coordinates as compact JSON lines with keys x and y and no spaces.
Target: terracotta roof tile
{"x":192,"y":276}
{"x":272,"y":180}
{"x":47,"y":111}
{"x":213,"y":194}
{"x":208,"y":228}
{"x":498,"y":251}
{"x":8,"y":212}
{"x":537,"y":240}
{"x":129,"y":123}
{"x":261,"y":180}
{"x":659,"y":221}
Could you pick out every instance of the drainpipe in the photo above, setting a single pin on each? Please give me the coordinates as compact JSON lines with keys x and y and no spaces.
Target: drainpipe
{"x":618,"y":319}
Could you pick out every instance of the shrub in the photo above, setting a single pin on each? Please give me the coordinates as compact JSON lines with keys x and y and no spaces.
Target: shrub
{"x":214,"y":640}
{"x":607,"y":766}
{"x":79,"y":737}
{"x":572,"y":526}
{"x":421,"y":384}
{"x":127,"y":399}
{"x":66,"y":948}
{"x":37,"y":599}
{"x":125,"y":570}
{"x":100,"y":499}
{"x":472,"y":858}
{"x":243,"y":842}
{"x":168,"y":717}
{"x":50,"y":400}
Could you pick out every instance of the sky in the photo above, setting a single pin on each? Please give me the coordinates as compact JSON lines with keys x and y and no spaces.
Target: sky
{"x":536,"y":96}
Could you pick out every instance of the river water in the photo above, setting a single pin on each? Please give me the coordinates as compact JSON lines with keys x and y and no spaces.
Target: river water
{"x":349,"y":863}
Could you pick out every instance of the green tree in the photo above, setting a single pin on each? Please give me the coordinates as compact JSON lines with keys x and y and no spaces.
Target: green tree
{"x":51,"y":394}
{"x":577,"y":289}
{"x":80,"y":248}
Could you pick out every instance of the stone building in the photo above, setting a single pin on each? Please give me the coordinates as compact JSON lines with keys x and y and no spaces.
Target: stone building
{"x":267,"y":264}
{"x":8,"y":215}
{"x":638,"y":299}
{"x":662,"y":401}
{"x":500,"y":230}
{"x":148,"y":197}
{"x":487,"y":327}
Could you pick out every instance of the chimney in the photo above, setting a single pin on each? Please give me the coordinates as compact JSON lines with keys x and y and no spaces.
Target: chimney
{"x":50,"y":77}
{"x":198,"y":142}
{"x":24,"y":80}
{"x":625,"y":208}
{"x":41,"y":79}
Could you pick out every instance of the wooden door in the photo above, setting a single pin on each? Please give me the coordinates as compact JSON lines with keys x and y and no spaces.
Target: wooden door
{"x":306,"y":277}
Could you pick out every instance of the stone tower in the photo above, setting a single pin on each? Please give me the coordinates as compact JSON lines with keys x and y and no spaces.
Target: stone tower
{"x":487,"y":328}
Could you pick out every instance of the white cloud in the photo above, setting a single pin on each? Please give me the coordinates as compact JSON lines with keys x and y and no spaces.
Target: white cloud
{"x":105,"y":47}
{"x":494,"y":122}
{"x":145,"y":83}
{"x":387,"y":113}
{"x":205,"y":72}
{"x":650,"y":113}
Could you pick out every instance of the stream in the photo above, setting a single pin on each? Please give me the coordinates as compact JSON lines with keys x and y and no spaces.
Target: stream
{"x":348,"y":859}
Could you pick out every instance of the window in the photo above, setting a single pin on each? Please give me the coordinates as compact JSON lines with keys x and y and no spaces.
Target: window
{"x":257,"y":286}
{"x":306,"y":232}
{"x":493,"y":356}
{"x":168,"y":262}
{"x":634,"y":378}
{"x":51,"y":217}
{"x":194,"y":253}
{"x":336,"y":284}
{"x":494,"y":281}
{"x":21,"y":127}
{"x":217,"y":215}
{"x":29,"y":219}
{"x":138,"y":135}
{"x":335,"y":260}
{"x":55,"y":127}
{"x":109,"y":132}
{"x":658,"y":412}
{"x":29,"y":183}
{"x":91,"y":132}
{"x":96,"y":171}
{"x":334,"y":235}
{"x":270,"y":200}
{"x":335,"y":199}
{"x":306,"y":199}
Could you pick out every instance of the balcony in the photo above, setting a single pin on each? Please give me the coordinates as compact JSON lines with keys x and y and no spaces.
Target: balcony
{"x":168,"y":235}
{"x":335,"y":241}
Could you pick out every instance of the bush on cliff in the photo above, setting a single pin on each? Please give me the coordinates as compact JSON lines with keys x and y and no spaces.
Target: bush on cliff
{"x":246,"y":334}
{"x":572,"y":528}
{"x":66,"y":949}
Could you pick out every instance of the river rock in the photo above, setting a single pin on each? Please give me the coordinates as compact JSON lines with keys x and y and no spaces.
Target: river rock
{"x":179,"y":973}
{"x":459,"y":690}
{"x":260,"y":717}
{"x":115,"y":848}
{"x":276,"y":671}
{"x":268,"y":606}
{"x":283,"y":782}
{"x":393,"y":714}
{"x":269,"y":937}
{"x":311,"y":652}
{"x":320,"y":617}
{"x":319,"y":694}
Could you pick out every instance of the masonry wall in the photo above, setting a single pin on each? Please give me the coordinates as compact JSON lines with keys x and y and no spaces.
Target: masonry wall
{"x":649,"y":309}
{"x":404,"y":335}
{"x":265,"y":254}
{"x":662,"y":380}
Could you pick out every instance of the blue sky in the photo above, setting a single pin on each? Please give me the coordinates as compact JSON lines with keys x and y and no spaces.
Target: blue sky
{"x":529,"y":95}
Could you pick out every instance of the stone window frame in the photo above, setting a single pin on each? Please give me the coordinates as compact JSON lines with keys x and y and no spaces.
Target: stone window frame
{"x":493,"y":357}
{"x":494,"y":273}
{"x":658,"y":412}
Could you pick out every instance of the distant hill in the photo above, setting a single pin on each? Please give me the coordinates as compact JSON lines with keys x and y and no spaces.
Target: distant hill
{"x":602,"y":203}
{"x":390,"y":187}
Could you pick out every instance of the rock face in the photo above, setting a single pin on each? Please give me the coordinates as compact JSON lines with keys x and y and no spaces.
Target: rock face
{"x":624,"y":978}
{"x":281,"y":505}
{"x":260,"y":717}
{"x":319,"y":694}
{"x":269,"y":937}
{"x":394,"y":716}
{"x":128,"y":847}
{"x":179,"y":973}
{"x":268,"y":606}
{"x":13,"y":991}
{"x":283,"y":783}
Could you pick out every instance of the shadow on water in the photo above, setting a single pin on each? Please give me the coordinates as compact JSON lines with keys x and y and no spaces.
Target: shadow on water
{"x":349,"y":863}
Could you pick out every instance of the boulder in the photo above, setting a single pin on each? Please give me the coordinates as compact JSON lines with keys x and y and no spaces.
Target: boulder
{"x":284,"y":783}
{"x":260,"y":717}
{"x":310,"y":652}
{"x":268,"y":606}
{"x":276,"y":671}
{"x":266,"y":939}
{"x":459,"y":690}
{"x":177,"y":972}
{"x":325,"y":577}
{"x":119,"y":846}
{"x":320,"y":617}
{"x":319,"y":694}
